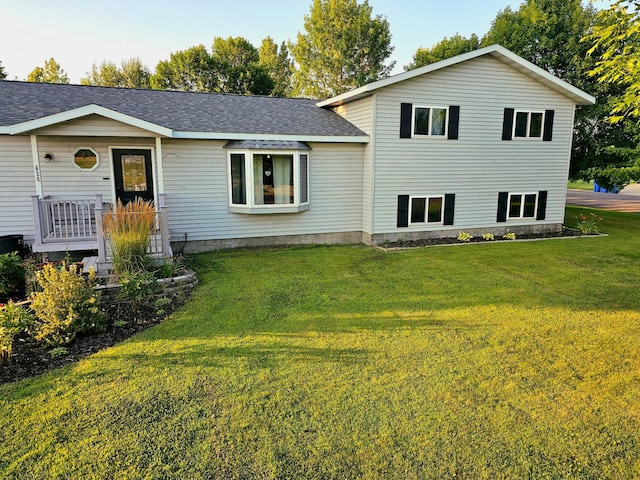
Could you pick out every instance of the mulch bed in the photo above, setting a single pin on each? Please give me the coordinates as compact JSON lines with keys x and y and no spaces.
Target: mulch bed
{"x":29,"y":358}
{"x":430,"y":242}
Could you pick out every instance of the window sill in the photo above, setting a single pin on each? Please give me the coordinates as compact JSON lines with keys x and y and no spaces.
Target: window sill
{"x":268,"y":210}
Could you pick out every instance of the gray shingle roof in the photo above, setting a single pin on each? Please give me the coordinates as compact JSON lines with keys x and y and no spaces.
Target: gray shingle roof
{"x":179,"y":111}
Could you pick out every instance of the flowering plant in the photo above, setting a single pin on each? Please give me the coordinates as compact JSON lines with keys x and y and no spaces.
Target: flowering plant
{"x":588,"y":224}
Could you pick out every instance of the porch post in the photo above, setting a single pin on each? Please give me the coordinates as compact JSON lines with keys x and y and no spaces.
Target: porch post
{"x":36,"y":165}
{"x":164,"y":226}
{"x":100,"y":240}
{"x":159,"y":167}
{"x":37,"y":220}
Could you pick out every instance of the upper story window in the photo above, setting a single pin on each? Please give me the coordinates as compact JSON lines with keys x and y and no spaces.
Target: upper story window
{"x":418,"y":121}
{"x":430,"y":121}
{"x":268,"y":181}
{"x":532,"y":124}
{"x":85,"y":159}
{"x":528,"y":124}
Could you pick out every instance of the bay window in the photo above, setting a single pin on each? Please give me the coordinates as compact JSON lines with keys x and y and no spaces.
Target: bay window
{"x":269,"y":181}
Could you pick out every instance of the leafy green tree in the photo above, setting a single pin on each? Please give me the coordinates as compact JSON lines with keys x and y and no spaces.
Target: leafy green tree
{"x":131,"y":74}
{"x":615,"y":42}
{"x":278,"y":64}
{"x":343,"y":47}
{"x":51,"y":73}
{"x":236,"y":62}
{"x":445,"y":48}
{"x":3,"y":73}
{"x":105,"y":75}
{"x":190,"y":70}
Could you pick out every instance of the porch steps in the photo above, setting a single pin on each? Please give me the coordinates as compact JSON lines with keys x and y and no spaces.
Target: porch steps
{"x":88,"y":263}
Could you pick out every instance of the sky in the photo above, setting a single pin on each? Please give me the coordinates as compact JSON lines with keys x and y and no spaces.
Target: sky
{"x":78,"y":33}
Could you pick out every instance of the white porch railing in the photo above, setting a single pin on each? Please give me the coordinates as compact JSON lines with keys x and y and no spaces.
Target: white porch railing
{"x":63,"y":224}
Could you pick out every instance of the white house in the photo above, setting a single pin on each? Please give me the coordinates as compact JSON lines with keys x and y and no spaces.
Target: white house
{"x":479,"y":143}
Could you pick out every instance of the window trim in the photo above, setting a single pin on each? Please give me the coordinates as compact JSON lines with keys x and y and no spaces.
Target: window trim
{"x":426,"y":209}
{"x":250,"y":207}
{"x":529,"y":115}
{"x":73,"y":159}
{"x":522,"y":204}
{"x":445,"y":134}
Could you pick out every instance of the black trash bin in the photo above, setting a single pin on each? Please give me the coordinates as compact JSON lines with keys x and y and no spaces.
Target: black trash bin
{"x":12,"y":243}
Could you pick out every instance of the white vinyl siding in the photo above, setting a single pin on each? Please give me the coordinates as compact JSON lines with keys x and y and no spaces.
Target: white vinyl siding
{"x":62,"y":177}
{"x":478,"y":165}
{"x":96,"y":126}
{"x":17,"y":184}
{"x":196,"y":188}
{"x":361,"y":113}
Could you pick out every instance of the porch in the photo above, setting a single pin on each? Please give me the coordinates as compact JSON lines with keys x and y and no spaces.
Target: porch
{"x":74,"y":224}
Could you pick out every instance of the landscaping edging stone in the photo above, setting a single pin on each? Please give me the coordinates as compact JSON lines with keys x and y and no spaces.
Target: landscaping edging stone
{"x":174,"y":286}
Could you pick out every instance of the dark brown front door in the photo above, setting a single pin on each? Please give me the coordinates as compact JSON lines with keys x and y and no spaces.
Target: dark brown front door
{"x":132,"y":174}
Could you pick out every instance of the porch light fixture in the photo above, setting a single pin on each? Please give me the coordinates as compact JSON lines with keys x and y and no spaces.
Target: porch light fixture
{"x":48,"y":157}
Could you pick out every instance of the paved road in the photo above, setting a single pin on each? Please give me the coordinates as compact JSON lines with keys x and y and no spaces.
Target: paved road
{"x":628,"y":200}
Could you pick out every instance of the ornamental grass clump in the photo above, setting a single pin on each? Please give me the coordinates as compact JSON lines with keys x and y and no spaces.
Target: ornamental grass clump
{"x":65,"y":305}
{"x":128,"y":229}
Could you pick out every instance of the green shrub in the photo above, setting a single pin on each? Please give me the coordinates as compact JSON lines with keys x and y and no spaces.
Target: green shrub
{"x":464,"y":237}
{"x":488,"y":236}
{"x":66,"y":306}
{"x":128,"y":229}
{"x":14,"y":319}
{"x":509,"y":235}
{"x":12,"y":278}
{"x":138,"y":286}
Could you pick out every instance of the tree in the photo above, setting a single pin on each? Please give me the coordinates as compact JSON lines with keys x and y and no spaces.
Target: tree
{"x":131,"y":74}
{"x":3,"y":73}
{"x":105,"y":75}
{"x":236,"y":63}
{"x":50,"y":73}
{"x":343,"y":48}
{"x":190,"y":70}
{"x":445,"y":48}
{"x":135,"y":74}
{"x":549,"y":34}
{"x":615,"y":41}
{"x":278,"y":64}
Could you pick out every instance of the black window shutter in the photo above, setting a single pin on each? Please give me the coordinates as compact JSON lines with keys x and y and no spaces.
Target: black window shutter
{"x":454,"y":120}
{"x":548,"y":125}
{"x":507,"y":124}
{"x":503,"y":199}
{"x":403,"y":210}
{"x":406,"y":110}
{"x":449,"y":207}
{"x":542,"y":205}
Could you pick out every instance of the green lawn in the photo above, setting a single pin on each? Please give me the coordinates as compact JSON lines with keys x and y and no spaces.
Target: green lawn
{"x":580,"y":185}
{"x":510,"y":360}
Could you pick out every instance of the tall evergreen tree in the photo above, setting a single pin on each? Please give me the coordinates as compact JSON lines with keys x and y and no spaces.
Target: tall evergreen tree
{"x":343,"y":47}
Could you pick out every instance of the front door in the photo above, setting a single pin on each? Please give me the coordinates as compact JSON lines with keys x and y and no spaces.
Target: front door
{"x":133,"y":176}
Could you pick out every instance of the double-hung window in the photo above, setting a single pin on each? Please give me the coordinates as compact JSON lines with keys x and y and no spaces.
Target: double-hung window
{"x":426,"y":210}
{"x":431,"y":121}
{"x":522,"y":205}
{"x":528,"y":124}
{"x":272,"y":181}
